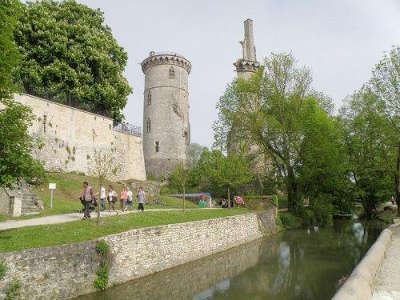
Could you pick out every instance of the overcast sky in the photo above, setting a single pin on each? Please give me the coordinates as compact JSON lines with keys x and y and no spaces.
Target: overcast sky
{"x":340,"y":40}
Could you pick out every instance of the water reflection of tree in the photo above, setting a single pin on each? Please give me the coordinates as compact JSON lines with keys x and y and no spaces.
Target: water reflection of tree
{"x":302,"y":266}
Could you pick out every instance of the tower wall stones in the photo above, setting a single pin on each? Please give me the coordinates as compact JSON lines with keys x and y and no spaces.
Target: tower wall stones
{"x":166,"y":128}
{"x":70,"y":137}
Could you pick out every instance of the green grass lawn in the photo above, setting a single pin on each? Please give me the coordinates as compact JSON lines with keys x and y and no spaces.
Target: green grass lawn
{"x":69,"y":187}
{"x":73,"y":232}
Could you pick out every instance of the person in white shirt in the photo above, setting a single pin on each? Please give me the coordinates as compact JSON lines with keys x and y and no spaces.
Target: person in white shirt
{"x":111,"y":198}
{"x":129,"y":200}
{"x":103,"y":197}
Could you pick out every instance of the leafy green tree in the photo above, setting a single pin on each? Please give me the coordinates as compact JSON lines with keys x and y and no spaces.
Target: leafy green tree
{"x":369,"y":137}
{"x":9,"y":55}
{"x":179,"y":179}
{"x":70,"y":56}
{"x":277,"y":111}
{"x":223,"y":173}
{"x":16,"y":146}
{"x":104,"y":165}
{"x":385,"y":84}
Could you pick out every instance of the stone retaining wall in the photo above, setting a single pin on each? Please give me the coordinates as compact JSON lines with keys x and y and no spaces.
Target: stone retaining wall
{"x":359,"y":284}
{"x":69,"y":270}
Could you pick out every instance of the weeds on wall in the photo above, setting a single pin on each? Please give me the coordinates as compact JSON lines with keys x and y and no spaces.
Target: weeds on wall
{"x":13,"y":290}
{"x":103,"y":251}
{"x":3,"y":269}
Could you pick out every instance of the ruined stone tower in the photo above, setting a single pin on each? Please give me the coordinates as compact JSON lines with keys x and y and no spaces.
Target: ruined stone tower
{"x":248,"y":64}
{"x":166,"y":128}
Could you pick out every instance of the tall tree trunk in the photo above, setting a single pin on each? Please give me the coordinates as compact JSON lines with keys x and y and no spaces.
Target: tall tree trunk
{"x":291,"y":187}
{"x":184,"y":196}
{"x":229,"y":198}
{"x":396,"y":180}
{"x":98,"y":202}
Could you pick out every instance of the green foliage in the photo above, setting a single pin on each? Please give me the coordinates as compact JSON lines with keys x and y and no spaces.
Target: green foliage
{"x":9,"y":55}
{"x":16,"y":146}
{"x":103,"y":251}
{"x":289,"y":221}
{"x":372,"y":158}
{"x":385,"y":84}
{"x":320,"y":212}
{"x":220,"y":173}
{"x":70,"y":56}
{"x":13,"y":290}
{"x":3,"y":269}
{"x":275,"y":200}
{"x":277,"y":112}
{"x":101,"y":281}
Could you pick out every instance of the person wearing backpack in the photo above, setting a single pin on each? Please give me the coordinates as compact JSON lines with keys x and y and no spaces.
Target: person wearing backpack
{"x":87,"y":197}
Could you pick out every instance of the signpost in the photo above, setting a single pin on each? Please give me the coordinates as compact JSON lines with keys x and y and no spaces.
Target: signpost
{"x":52,"y":187}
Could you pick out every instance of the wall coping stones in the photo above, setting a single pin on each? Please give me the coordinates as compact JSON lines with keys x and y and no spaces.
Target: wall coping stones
{"x":359,"y":285}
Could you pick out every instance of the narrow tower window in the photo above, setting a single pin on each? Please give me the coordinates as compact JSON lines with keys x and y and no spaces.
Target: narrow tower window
{"x":171,"y":73}
{"x":148,"y":125}
{"x":44,"y":123}
{"x":149,"y":98}
{"x":157,"y":146}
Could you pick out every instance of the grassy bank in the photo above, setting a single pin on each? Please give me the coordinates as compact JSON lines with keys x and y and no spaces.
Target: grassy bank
{"x":73,"y":232}
{"x":69,"y":187}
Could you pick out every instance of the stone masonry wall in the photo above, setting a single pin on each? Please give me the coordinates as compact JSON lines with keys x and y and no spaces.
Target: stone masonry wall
{"x":69,"y":270}
{"x":71,"y":136}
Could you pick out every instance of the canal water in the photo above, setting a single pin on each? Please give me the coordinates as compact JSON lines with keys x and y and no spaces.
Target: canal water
{"x":298,"y":264}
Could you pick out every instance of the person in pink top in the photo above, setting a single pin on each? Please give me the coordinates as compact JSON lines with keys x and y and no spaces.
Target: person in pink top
{"x":123,"y":198}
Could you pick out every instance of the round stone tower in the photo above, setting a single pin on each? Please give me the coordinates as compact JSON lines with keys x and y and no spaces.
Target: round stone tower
{"x":166,"y":128}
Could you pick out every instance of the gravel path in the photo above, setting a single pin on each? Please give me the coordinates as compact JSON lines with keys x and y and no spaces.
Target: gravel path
{"x":57,"y":219}
{"x":387,"y":280}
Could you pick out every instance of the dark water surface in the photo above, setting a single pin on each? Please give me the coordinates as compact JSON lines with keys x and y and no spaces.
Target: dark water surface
{"x":293,"y":265}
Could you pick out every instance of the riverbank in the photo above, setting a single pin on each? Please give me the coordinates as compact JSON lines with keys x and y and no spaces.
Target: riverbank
{"x":78,"y":231}
{"x":70,"y":270}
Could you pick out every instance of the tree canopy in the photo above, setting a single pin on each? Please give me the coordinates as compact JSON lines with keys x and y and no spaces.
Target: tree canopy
{"x":9,"y":55}
{"x":277,"y":112}
{"x":16,"y":146}
{"x":70,"y":56}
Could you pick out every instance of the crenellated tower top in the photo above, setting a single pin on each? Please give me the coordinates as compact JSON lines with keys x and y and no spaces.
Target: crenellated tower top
{"x":166,"y":58}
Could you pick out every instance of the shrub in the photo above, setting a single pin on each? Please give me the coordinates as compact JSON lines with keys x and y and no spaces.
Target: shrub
{"x":275,"y":201}
{"x":288,"y":220}
{"x":101,"y":281}
{"x":3,"y":270}
{"x":103,"y":251}
{"x":13,"y":290}
{"x":323,"y":212}
{"x":320,"y":213}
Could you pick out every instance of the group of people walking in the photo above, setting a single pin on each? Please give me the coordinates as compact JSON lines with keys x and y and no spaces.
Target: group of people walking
{"x":110,"y":197}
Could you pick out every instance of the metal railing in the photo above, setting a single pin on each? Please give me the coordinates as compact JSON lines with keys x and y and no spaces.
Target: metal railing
{"x":128,"y":129}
